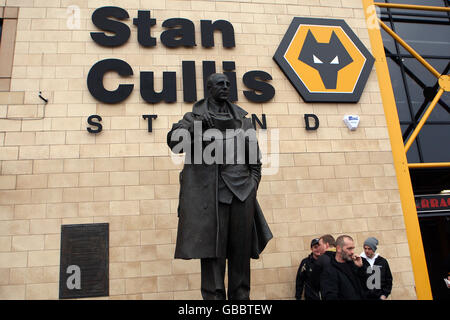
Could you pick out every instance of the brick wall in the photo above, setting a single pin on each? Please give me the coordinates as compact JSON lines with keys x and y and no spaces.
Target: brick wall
{"x":54,"y":172}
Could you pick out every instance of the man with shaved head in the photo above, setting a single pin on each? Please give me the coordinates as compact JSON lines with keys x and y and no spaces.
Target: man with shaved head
{"x":344,"y":277}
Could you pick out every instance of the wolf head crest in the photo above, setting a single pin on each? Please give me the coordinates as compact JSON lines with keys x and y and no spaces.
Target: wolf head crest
{"x":324,"y":60}
{"x":327,"y":58}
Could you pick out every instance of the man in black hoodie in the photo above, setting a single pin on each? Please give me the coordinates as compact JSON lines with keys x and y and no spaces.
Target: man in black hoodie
{"x":379,"y":281}
{"x":327,"y":248}
{"x":343,"y":278}
{"x":303,"y":280}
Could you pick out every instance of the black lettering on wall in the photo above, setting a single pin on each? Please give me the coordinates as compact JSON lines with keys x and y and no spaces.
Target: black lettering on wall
{"x":256,"y":120}
{"x":184,"y":36}
{"x":98,"y":125}
{"x":150,"y":118}
{"x":228,"y":67}
{"x":168,"y":93}
{"x":120,"y":30}
{"x":95,"y":80}
{"x":179,"y":32}
{"x":189,"y":84}
{"x":256,"y":80}
{"x":314,"y":118}
{"x":144,"y":24}
{"x":207,"y":31}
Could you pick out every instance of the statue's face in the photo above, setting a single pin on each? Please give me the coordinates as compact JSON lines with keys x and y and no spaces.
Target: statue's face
{"x":219,"y":87}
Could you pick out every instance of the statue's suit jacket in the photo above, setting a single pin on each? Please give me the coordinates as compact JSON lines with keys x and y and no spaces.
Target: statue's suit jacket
{"x":199,"y":195}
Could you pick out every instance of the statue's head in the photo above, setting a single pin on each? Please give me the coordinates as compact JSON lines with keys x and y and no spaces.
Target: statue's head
{"x":218,"y":87}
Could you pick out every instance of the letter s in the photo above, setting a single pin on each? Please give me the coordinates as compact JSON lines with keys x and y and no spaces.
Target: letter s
{"x":256,"y":80}
{"x":101,"y":21}
{"x":95,"y":124}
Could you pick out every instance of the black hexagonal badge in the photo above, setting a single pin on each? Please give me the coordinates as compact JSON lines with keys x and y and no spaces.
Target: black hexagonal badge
{"x":324,"y":60}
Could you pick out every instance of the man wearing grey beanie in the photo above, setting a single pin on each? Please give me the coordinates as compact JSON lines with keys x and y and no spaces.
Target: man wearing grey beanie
{"x":372,"y":243}
{"x":379,"y":277}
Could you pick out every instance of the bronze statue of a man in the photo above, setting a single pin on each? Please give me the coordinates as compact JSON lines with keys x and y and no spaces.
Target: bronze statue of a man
{"x":219,"y":216}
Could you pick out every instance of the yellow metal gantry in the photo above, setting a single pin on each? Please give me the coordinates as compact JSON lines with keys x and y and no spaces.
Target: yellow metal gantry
{"x":444,"y":80}
{"x":399,"y":149}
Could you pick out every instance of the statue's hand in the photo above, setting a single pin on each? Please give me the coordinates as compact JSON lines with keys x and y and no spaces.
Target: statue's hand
{"x":207,"y":120}
{"x":188,"y":122}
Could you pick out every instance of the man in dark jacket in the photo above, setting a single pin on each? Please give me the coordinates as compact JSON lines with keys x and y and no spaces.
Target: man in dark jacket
{"x":219,"y":216}
{"x":379,"y":281}
{"x":303,"y":280}
{"x":327,"y":249}
{"x":343,"y":278}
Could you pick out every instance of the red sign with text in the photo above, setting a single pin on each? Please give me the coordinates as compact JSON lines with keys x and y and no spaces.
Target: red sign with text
{"x":433,"y":203}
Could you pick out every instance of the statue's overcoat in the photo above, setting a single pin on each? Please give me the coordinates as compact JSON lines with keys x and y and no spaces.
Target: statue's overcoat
{"x":198,"y":205}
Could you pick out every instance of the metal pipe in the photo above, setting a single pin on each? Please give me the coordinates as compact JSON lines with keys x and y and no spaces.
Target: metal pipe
{"x":429,"y":165}
{"x":424,"y":119}
{"x":410,"y":6}
{"x":409,"y":49}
